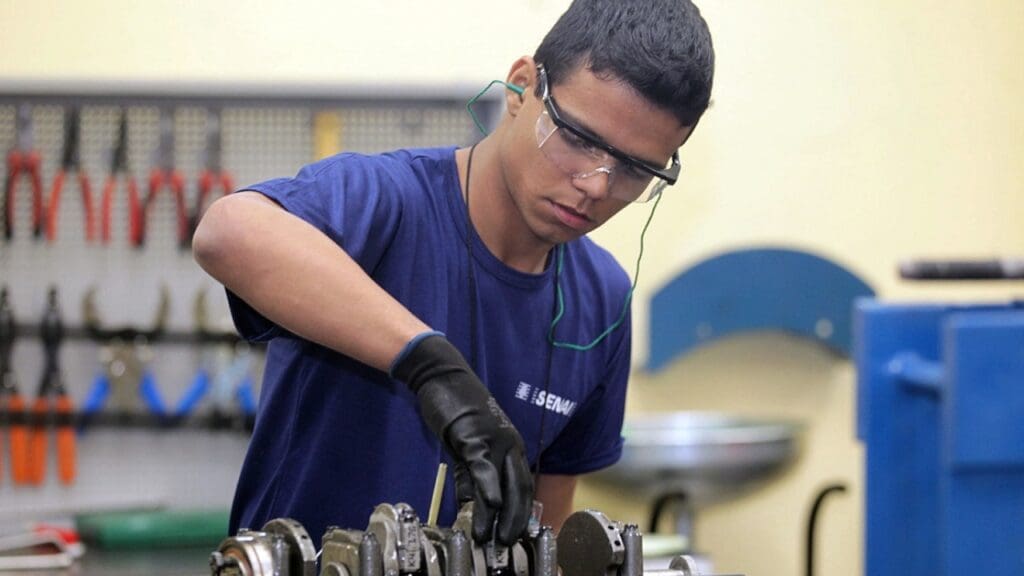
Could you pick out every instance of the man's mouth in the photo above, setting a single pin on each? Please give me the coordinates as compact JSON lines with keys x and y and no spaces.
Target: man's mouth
{"x":570,"y":217}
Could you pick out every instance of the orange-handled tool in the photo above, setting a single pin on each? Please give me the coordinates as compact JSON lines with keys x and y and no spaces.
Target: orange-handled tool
{"x":66,"y":449}
{"x":18,"y":438}
{"x":11,"y":401}
{"x":38,"y":441}
{"x":52,"y":406}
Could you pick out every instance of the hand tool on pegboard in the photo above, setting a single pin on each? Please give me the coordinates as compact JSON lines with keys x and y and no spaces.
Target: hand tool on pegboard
{"x":71,"y":163}
{"x":213,"y":177}
{"x":119,"y":168}
{"x":125,"y":353}
{"x":165,"y":175}
{"x":52,"y":406}
{"x":225,"y":366}
{"x":11,"y":401}
{"x":23,"y":161}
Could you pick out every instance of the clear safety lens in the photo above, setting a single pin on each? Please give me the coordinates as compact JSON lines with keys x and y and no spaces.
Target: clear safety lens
{"x":581,"y":159}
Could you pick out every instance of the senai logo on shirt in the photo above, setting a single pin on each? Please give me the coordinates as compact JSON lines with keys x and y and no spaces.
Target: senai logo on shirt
{"x":552,"y":402}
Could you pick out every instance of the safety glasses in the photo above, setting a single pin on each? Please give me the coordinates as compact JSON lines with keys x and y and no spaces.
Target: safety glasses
{"x":581,"y":155}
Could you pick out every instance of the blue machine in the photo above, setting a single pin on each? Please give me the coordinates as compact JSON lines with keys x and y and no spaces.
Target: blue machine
{"x":941,"y":415}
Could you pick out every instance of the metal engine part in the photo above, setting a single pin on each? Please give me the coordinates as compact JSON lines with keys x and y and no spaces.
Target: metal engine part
{"x":281,"y":548}
{"x":592,"y":545}
{"x":396,"y":544}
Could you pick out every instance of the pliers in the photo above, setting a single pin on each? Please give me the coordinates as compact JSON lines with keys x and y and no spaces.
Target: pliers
{"x":124,"y":356}
{"x":164,"y":174}
{"x":229,"y":368}
{"x":53,"y":405}
{"x":125,"y":377}
{"x":213,"y":176}
{"x":10,"y":398}
{"x":71,"y":163}
{"x":23,"y":160}
{"x":118,"y":168}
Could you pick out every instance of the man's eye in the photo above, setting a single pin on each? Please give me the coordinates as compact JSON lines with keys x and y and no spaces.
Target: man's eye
{"x":579,"y":143}
{"x":631,"y":171}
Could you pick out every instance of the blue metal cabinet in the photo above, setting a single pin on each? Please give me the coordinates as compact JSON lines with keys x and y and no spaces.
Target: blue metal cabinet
{"x":941,"y":414}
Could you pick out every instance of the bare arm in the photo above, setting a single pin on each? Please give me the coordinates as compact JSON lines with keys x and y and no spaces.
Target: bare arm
{"x":556,"y":493}
{"x":300,"y":279}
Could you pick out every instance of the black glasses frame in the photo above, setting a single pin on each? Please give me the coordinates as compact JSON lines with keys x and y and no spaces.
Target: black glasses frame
{"x":669,"y":175}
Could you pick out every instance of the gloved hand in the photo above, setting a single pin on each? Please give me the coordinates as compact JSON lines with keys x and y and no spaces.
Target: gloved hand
{"x":475,"y":431}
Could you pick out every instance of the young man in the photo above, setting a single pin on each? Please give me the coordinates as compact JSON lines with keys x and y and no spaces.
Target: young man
{"x":444,"y":305}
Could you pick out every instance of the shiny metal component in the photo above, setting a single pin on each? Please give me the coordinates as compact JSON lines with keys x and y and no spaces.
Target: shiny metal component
{"x":370,"y":556}
{"x":250,"y":553}
{"x":464,"y":523}
{"x":300,"y":552}
{"x":685,"y":564}
{"x":405,"y":548}
{"x":590,"y":544}
{"x":459,"y":557}
{"x":633,"y":560}
{"x":545,"y":553}
{"x":351,"y":553}
{"x":334,"y":569}
{"x":282,"y":548}
{"x":397,"y":529}
{"x":519,"y":561}
{"x":707,"y":456}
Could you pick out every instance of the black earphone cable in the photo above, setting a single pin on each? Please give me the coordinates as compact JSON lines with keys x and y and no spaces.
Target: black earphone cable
{"x":471,"y":281}
{"x":470,"y":276}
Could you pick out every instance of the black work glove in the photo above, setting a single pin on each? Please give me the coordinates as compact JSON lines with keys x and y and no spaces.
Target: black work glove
{"x":475,"y":431}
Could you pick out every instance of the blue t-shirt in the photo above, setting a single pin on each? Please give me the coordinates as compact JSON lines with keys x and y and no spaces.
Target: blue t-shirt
{"x":334,"y":437}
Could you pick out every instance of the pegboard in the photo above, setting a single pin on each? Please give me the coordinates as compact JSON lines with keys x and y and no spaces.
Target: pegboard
{"x":262,"y":136}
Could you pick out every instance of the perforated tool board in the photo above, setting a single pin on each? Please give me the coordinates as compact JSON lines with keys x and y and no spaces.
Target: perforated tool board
{"x":263,"y":135}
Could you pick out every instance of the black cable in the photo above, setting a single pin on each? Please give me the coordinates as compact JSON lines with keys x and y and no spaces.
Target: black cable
{"x":471,"y":280}
{"x":812,"y":522}
{"x":659,"y":508}
{"x":470,"y":276}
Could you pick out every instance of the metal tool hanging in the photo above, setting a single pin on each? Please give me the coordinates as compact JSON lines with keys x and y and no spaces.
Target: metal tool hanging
{"x":71,"y":163}
{"x":125,"y":376}
{"x":165,"y":175}
{"x":52,"y":407}
{"x":11,"y":400}
{"x":23,"y":161}
{"x":119,"y":169}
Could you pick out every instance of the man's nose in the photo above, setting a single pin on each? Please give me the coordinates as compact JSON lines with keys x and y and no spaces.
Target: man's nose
{"x":595,"y":183}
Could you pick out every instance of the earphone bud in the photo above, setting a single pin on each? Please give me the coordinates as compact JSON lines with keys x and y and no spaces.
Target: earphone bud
{"x":515,"y":88}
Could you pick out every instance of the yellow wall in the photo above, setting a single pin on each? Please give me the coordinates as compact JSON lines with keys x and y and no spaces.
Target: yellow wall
{"x":864,"y":131}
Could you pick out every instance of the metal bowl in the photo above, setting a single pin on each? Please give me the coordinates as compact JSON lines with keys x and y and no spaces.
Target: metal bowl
{"x":706,"y":456}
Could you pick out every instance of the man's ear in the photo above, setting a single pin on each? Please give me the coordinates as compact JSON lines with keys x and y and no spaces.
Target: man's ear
{"x":523,"y":75}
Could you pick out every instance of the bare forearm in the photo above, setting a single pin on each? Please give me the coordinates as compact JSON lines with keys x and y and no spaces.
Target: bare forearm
{"x":300,"y":279}
{"x":556,"y":493}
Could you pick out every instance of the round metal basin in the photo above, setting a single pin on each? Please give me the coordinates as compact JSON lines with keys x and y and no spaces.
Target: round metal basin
{"x":706,"y":456}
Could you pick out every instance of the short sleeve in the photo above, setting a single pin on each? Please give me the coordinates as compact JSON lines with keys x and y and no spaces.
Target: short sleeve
{"x":353,"y":199}
{"x":593,"y":437}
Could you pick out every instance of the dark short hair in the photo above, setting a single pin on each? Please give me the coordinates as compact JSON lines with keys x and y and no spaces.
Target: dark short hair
{"x":661,"y":48}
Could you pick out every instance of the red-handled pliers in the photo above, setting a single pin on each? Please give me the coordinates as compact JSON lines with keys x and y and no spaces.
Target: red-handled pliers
{"x":214,"y":176}
{"x":164,"y":174}
{"x":71,"y":163}
{"x":23,"y":160}
{"x":118,"y":168}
